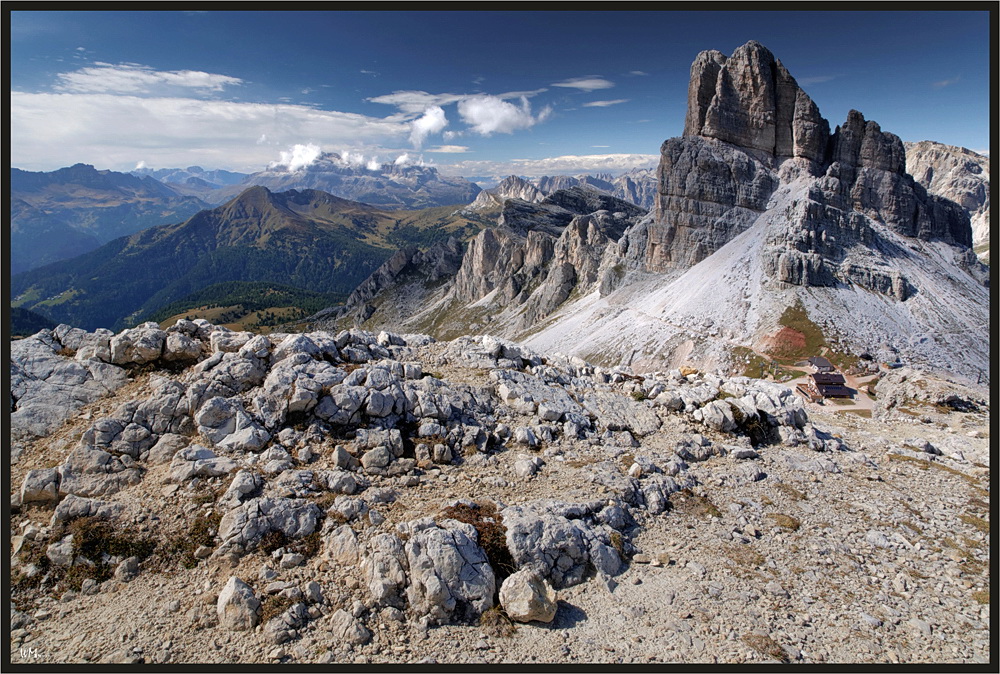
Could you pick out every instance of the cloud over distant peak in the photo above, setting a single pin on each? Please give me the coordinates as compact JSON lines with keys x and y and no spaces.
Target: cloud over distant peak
{"x":132,"y":78}
{"x":589,"y":83}
{"x":432,"y":121}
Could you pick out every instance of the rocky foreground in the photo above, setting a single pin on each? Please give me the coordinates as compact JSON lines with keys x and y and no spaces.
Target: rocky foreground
{"x":202,"y":495}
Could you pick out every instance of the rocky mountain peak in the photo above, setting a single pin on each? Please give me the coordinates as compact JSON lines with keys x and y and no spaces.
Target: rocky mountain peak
{"x":750,"y":100}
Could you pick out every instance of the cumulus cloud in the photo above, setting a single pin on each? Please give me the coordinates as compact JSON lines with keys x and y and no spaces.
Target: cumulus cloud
{"x":487,"y":115}
{"x":132,"y":78}
{"x":589,"y":83}
{"x":604,"y":104}
{"x":432,"y":121}
{"x":299,"y":157}
{"x":49,"y":130}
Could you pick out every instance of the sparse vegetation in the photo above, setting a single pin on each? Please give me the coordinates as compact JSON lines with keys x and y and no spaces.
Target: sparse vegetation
{"x":785,"y":522}
{"x":273,"y":606}
{"x":766,"y":645}
{"x":496,"y":623}
{"x":492,"y":534}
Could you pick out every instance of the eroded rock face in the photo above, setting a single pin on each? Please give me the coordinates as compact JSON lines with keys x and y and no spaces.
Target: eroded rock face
{"x":755,"y":151}
{"x":750,"y":100}
{"x":957,"y":174}
{"x":450,"y":577}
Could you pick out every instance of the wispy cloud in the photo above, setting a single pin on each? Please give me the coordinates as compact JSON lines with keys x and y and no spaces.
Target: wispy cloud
{"x":604,"y":104}
{"x":589,"y":83}
{"x":945,"y":83}
{"x":637,"y":73}
{"x":132,"y":78}
{"x":815,"y":79}
{"x":368,"y":72}
{"x":449,"y":149}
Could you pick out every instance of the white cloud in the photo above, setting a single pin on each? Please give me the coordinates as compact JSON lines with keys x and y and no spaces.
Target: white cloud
{"x":490,"y":114}
{"x":449,"y":149}
{"x":816,"y":79}
{"x":373,"y":164}
{"x":416,"y":102}
{"x":131,"y":78}
{"x":299,"y":157}
{"x":637,"y":72}
{"x":604,"y":104}
{"x":140,"y":165}
{"x":432,"y":121}
{"x":945,"y":83}
{"x":590,"y":83}
{"x":52,"y":130}
{"x":564,"y":165}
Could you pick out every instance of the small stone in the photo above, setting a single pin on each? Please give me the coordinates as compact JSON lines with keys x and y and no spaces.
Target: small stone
{"x":642,"y":558}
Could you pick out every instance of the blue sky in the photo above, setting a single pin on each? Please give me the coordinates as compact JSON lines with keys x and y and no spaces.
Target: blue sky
{"x":474,"y":93}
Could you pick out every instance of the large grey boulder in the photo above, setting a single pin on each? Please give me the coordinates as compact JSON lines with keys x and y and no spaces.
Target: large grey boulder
{"x":559,"y":541}
{"x":384,"y":568}
{"x":238,"y":606}
{"x":450,"y":577}
{"x":615,"y":412}
{"x":73,"y":507}
{"x":525,"y":596}
{"x":139,"y":345}
{"x":47,"y":388}
{"x":347,"y":628}
{"x":244,"y":525}
{"x":40,"y":486}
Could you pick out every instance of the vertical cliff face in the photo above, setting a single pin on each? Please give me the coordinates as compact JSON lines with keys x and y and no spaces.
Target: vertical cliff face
{"x":750,"y":100}
{"x":750,"y":129}
{"x":957,"y":174}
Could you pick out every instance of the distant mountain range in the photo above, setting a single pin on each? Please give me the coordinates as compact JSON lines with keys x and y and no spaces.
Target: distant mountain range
{"x":391,"y":185}
{"x":61,"y":214}
{"x":306,"y":239}
{"x":637,"y":186}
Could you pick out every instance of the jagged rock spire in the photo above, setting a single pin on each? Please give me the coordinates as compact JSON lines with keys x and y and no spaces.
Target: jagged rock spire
{"x":751,"y":100}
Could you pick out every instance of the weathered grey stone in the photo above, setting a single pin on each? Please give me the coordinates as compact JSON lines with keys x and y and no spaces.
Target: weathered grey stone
{"x":346,"y":627}
{"x":60,"y":553}
{"x":526,"y":597}
{"x":385,"y":569}
{"x":341,"y":545}
{"x":73,"y":507}
{"x":244,"y":525}
{"x":139,"y":345}
{"x":40,"y":486}
{"x":618,"y":413}
{"x":238,"y":606}
{"x":450,"y":577}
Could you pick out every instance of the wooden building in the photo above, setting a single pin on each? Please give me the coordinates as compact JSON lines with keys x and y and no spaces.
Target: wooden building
{"x":830,"y":385}
{"x":821,"y":364}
